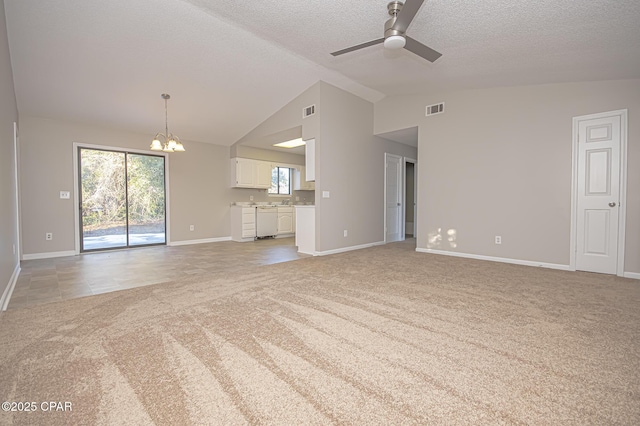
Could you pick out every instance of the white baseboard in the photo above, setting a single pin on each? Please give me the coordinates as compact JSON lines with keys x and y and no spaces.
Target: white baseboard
{"x":498,"y":259}
{"x":48,"y":255}
{"x":6,"y":295}
{"x":344,"y":249}
{"x":633,"y":275}
{"x":203,"y":241}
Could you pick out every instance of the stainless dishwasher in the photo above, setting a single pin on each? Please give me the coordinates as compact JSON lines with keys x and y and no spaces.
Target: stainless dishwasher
{"x":266,"y":221}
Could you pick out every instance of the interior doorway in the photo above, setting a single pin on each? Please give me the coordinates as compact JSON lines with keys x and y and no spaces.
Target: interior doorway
{"x":400,"y":193}
{"x":122,"y":199}
{"x":410,"y":195}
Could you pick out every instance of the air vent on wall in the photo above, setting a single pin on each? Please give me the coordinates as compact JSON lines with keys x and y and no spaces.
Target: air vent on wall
{"x":308,"y":111}
{"x":435,"y":109}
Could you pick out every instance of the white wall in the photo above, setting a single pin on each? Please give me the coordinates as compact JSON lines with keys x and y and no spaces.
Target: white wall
{"x":199,"y":184}
{"x":350,"y":165}
{"x":498,"y":162}
{"x":287,"y":119}
{"x":9,"y":262}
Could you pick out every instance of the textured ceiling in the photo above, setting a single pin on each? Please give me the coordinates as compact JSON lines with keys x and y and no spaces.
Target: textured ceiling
{"x":230,"y":65}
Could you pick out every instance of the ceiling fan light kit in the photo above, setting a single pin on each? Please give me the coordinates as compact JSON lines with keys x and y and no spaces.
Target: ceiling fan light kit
{"x":394,"y":42}
{"x":395,"y":32}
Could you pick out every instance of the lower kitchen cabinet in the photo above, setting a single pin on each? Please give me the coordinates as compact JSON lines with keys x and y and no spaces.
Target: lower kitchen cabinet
{"x":243,"y":223}
{"x":286,"y":221}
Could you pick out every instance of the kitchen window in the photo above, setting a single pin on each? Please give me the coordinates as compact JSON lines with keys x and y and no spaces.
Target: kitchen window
{"x":280,"y":181}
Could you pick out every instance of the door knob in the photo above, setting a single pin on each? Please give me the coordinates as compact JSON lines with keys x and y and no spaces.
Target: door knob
{"x":612,"y":204}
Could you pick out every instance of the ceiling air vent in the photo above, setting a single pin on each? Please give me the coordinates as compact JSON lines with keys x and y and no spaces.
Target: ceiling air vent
{"x":308,"y":111}
{"x":435,"y":109}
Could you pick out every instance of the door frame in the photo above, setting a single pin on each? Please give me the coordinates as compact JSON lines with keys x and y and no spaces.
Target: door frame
{"x":401,"y":193}
{"x":16,"y":176}
{"x":404,"y":196}
{"x":76,"y":183}
{"x":403,"y":189}
{"x":622,"y":211}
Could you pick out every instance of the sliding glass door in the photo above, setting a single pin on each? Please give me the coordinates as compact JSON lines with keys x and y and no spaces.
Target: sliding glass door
{"x":122,"y":199}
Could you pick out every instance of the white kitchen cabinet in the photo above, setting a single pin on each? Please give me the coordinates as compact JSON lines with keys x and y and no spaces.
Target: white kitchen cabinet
{"x":286,"y":218}
{"x":248,"y":173}
{"x":300,"y":182}
{"x":306,"y":229}
{"x":263,"y":174}
{"x":243,"y":223}
{"x":310,"y":159}
{"x":242,"y":172}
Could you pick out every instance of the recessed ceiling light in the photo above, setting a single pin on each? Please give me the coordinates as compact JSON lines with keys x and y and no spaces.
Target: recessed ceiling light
{"x":290,"y":144}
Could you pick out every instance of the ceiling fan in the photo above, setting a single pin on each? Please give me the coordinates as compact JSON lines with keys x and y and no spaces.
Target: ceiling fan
{"x":394,"y":32}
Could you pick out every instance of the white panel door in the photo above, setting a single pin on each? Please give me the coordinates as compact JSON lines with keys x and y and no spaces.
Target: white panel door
{"x":393,"y":198}
{"x":599,"y":143}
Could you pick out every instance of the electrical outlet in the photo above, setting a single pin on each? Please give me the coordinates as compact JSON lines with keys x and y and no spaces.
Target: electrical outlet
{"x":48,"y":236}
{"x":346,"y":232}
{"x":250,"y":199}
{"x":191,"y":227}
{"x":65,"y":195}
{"x":498,"y":239}
{"x":14,"y":249}
{"x":297,"y":198}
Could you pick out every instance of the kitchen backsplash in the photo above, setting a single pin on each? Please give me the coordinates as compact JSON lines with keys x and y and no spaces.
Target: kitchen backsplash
{"x":260,"y":197}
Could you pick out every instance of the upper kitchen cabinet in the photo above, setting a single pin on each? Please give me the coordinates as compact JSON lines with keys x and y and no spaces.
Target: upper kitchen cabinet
{"x":248,"y":173}
{"x":310,"y":160}
{"x":263,"y":174}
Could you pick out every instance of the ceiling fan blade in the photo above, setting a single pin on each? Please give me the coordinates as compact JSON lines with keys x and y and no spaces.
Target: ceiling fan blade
{"x":406,"y":15}
{"x":358,"y":46}
{"x":421,"y":50}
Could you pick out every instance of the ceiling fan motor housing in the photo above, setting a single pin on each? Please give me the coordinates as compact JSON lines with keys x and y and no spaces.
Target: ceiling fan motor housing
{"x":394,"y":7}
{"x":393,"y":39}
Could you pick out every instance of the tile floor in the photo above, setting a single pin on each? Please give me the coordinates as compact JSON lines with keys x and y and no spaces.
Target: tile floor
{"x":49,"y":280}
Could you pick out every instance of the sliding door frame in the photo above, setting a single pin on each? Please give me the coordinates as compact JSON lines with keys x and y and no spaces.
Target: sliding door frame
{"x":76,"y":193}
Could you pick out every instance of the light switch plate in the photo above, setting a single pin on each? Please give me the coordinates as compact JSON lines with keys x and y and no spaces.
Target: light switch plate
{"x":325,"y":194}
{"x":65,"y":195}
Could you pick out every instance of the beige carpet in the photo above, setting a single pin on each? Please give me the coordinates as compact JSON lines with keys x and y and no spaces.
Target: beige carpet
{"x":377,"y":336}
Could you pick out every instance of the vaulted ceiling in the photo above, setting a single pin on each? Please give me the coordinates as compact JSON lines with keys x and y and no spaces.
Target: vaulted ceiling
{"x":230,"y":65}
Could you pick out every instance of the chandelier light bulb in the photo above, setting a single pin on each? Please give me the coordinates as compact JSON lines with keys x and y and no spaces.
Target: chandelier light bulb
{"x":156,"y":145}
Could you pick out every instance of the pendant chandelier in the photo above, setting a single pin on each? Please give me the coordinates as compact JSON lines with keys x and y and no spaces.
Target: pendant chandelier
{"x":166,"y":141}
